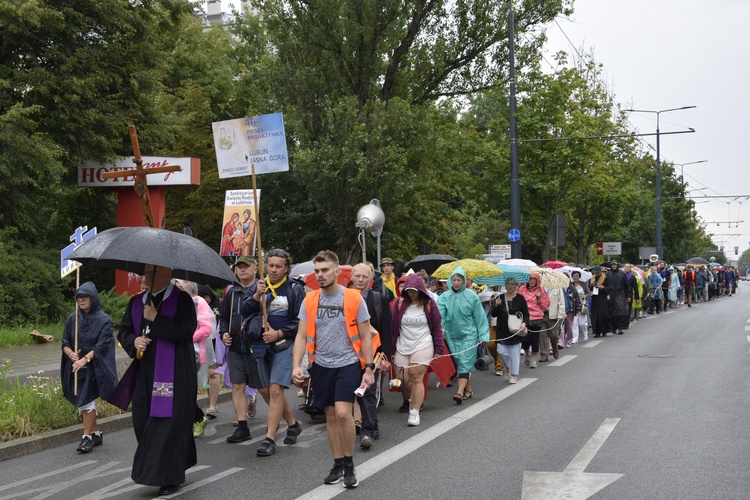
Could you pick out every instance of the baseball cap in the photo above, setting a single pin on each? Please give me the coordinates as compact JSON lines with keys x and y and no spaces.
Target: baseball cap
{"x":248,"y":261}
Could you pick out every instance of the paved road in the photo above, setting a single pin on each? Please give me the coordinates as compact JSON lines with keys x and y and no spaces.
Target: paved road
{"x":660,"y":412}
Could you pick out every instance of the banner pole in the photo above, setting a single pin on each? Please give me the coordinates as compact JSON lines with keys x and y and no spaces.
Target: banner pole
{"x":258,"y":244}
{"x":75,"y":341}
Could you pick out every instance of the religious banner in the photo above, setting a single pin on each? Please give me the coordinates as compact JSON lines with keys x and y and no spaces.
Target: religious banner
{"x":239,"y":221}
{"x":79,"y":236}
{"x":243,"y":142}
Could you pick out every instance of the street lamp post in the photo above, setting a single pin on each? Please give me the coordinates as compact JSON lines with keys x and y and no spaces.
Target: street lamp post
{"x":659,"y":245}
{"x":682,"y":171}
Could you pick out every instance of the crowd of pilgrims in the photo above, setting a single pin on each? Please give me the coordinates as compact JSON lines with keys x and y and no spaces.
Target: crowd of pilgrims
{"x":423,"y":321}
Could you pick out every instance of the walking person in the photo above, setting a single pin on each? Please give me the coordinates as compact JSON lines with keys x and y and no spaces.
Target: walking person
{"x":271,"y":348}
{"x":241,"y":369}
{"x":537,"y":301}
{"x":599,"y":302}
{"x":509,"y":346}
{"x":580,"y":322}
{"x":334,"y":328}
{"x":93,"y":364}
{"x":204,"y":350}
{"x":620,"y":297}
{"x":657,"y":293}
{"x":690,"y":281}
{"x":417,"y":338}
{"x":465,"y":325}
{"x":378,"y":307}
{"x":160,"y":323}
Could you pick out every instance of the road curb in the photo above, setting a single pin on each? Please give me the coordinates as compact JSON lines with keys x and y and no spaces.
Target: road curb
{"x":52,"y":439}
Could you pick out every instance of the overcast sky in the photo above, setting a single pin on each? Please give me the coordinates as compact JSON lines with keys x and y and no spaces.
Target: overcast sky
{"x":661,"y":54}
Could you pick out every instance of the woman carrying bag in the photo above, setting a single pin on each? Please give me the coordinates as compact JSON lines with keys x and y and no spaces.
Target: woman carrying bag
{"x":509,"y":344}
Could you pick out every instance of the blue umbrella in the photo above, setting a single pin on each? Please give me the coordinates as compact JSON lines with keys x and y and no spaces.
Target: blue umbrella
{"x":519,"y":273}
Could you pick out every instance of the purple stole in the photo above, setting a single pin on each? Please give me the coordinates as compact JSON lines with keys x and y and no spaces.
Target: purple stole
{"x":162,"y":393}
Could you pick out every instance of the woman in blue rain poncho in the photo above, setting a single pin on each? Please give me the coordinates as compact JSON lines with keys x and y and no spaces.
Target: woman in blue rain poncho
{"x":464,"y":326}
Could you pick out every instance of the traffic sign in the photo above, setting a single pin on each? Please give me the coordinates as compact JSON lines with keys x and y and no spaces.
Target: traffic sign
{"x":514,"y":235}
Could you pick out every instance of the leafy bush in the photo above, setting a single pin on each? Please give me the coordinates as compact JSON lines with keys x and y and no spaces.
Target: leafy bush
{"x":114,"y":305}
{"x":30,"y":287}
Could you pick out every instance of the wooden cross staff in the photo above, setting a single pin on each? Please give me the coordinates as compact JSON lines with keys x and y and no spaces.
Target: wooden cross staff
{"x":139,"y":174}
{"x":141,"y":185}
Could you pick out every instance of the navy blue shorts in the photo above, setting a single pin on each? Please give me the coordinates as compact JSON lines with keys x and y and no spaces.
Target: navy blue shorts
{"x":330,"y":385}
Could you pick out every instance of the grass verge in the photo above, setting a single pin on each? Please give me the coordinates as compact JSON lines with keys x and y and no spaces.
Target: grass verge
{"x":37,"y":406}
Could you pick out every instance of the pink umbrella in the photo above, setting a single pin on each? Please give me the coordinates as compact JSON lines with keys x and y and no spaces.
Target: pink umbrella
{"x":554,"y":264}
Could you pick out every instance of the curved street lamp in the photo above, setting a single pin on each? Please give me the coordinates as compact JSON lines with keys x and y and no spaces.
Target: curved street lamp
{"x":682,"y":171}
{"x":659,"y":245}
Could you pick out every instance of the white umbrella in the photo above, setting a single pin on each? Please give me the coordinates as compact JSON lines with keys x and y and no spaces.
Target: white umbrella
{"x":519,"y":262}
{"x":585,"y":275}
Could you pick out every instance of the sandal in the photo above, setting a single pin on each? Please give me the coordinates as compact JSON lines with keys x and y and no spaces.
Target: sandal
{"x":292,"y":432}
{"x":211,"y":412}
{"x":458,"y":398}
{"x":468,"y":394}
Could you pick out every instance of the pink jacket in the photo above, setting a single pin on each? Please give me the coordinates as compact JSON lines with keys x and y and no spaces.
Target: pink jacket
{"x":536,"y":305}
{"x":206,"y":325}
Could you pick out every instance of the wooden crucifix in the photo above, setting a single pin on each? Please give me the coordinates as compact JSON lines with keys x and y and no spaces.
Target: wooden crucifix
{"x":139,"y":175}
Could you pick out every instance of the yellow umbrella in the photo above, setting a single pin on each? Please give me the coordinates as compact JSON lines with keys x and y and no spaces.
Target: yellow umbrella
{"x":550,"y":278}
{"x":473,"y":268}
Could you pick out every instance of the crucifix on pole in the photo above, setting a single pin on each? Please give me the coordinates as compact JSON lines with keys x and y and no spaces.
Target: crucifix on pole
{"x":140,"y":185}
{"x":139,"y":175}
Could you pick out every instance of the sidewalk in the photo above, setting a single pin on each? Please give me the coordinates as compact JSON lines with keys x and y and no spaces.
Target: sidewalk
{"x":30,"y":359}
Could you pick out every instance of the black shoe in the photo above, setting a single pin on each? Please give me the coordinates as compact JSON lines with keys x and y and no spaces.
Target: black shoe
{"x":689,"y":305}
{"x":381,"y":402}
{"x":87,"y":444}
{"x":376,"y":434}
{"x":168,"y":490}
{"x":267,"y":448}
{"x":239,"y":435}
{"x":98,"y":439}
{"x":404,"y":408}
{"x":366,"y":442}
{"x":620,"y":332}
{"x":350,"y":477}
{"x":335,"y":475}
{"x":292,"y":432}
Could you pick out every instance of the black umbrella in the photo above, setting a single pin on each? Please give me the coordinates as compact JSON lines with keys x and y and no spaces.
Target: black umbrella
{"x":429,"y":263}
{"x":698,"y":261}
{"x":131,"y":248}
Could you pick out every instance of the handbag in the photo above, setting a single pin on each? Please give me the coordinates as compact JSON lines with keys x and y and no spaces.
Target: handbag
{"x":514,"y":321}
{"x":484,"y":360}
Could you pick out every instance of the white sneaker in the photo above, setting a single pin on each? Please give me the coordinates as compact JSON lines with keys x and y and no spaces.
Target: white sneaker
{"x":413,"y":418}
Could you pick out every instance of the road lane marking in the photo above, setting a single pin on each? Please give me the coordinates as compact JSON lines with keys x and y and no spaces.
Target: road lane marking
{"x":127,"y":485}
{"x":388,"y":457}
{"x":573,"y":482}
{"x":261,"y":427}
{"x":47,"y":474}
{"x":563,"y":360}
{"x":203,"y":482}
{"x":592,"y":343}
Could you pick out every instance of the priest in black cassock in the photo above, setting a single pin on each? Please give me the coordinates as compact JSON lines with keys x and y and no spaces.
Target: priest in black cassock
{"x":620,"y":297}
{"x":160,"y":323}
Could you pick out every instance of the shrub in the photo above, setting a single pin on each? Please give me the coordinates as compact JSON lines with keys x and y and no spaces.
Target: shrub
{"x":30,"y":287}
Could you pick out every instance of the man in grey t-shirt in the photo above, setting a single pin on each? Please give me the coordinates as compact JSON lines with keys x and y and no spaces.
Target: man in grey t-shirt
{"x":334,"y":327}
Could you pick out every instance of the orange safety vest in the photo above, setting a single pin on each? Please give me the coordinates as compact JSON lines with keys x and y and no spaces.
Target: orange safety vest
{"x":352,"y":299}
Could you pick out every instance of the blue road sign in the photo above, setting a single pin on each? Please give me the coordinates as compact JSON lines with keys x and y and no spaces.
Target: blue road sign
{"x":514,"y":235}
